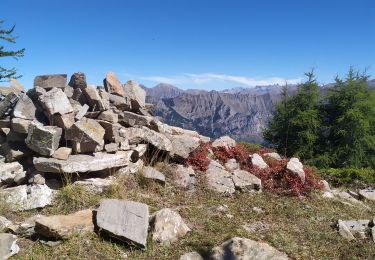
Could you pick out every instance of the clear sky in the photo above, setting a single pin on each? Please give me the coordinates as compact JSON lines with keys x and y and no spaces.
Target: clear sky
{"x":212,"y":44}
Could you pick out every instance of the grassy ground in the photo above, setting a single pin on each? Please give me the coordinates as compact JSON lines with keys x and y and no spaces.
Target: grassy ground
{"x":303,"y":228}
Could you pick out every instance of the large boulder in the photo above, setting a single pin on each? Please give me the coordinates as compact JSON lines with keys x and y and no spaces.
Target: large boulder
{"x":113,"y":85}
{"x":28,"y":197}
{"x":168,"y":226}
{"x":136,"y":94}
{"x":86,"y":130}
{"x":55,"y":101}
{"x":182,"y":146}
{"x":65,"y":226}
{"x":245,"y":181}
{"x":244,"y":248}
{"x":218,"y":179}
{"x":43,"y":139}
{"x":124,"y":220}
{"x":50,"y":81}
{"x":224,"y":141}
{"x":8,"y":246}
{"x":83,"y":163}
{"x":296,"y":167}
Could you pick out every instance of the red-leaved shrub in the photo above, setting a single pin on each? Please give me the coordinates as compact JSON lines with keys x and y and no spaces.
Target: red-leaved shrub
{"x":275,"y":178}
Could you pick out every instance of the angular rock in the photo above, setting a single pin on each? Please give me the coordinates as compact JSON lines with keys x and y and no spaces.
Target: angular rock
{"x":136,"y":135}
{"x":37,"y":177}
{"x":51,"y":81}
{"x":131,"y":169}
{"x":140,"y":149}
{"x":224,"y":141}
{"x":344,"y":231}
{"x":87,"y":147}
{"x":8,"y":246}
{"x":83,"y":163}
{"x":24,"y":108}
{"x":232,"y":165}
{"x":95,"y":185}
{"x":136,"y":93}
{"x":7,"y":103}
{"x":64,"y":121}
{"x":43,"y":139}
{"x":244,"y":248}
{"x":112,"y":131}
{"x":275,"y":156}
{"x":124,"y":146}
{"x":245,"y":181}
{"x":4,"y":223}
{"x":296,"y":167}
{"x":368,"y":194}
{"x":182,"y":176}
{"x":130,"y":119}
{"x":111,"y":148}
{"x":191,"y":256}
{"x":113,"y":85}
{"x":153,"y":174}
{"x":219,"y":179}
{"x":122,"y":103}
{"x":258,"y":161}
{"x":11,"y":173}
{"x":55,"y":101}
{"x":105,"y":98}
{"x":82,"y":111}
{"x":20,"y":125}
{"x":13,"y":151}
{"x":356,"y":225}
{"x":94,"y":100}
{"x":182,"y":146}
{"x":124,"y":220}
{"x":325,"y":185}
{"x":65,"y":226}
{"x":69,"y":91}
{"x":28,"y":197}
{"x":168,"y":226}
{"x":78,"y":80}
{"x":108,"y":116}
{"x":62,"y":153}
{"x":86,"y":130}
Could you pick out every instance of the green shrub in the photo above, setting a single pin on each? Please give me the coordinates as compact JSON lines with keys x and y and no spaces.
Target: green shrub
{"x":350,"y":175}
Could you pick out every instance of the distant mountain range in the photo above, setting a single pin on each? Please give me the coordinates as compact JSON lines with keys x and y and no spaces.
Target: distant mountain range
{"x":241,"y":113}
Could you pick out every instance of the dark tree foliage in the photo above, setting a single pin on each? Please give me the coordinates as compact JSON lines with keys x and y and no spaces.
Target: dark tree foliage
{"x":7,"y":36}
{"x":334,"y":130}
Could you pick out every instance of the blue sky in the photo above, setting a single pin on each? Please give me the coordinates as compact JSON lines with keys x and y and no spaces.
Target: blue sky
{"x":209,"y":44}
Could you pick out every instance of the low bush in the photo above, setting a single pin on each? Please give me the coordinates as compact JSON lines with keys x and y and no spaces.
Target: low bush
{"x":340,"y":176}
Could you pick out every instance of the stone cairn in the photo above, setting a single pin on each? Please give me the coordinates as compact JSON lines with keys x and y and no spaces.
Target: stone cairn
{"x":60,"y":128}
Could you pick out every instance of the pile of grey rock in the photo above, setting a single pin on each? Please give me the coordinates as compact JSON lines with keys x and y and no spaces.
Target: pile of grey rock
{"x":59,"y":128}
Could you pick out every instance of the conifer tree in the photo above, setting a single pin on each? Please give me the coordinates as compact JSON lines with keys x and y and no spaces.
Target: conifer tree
{"x":6,"y":35}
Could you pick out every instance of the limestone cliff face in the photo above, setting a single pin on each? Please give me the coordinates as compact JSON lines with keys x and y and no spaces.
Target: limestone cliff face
{"x":241,"y":115}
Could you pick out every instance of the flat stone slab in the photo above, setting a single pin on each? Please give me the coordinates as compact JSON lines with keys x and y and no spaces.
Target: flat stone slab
{"x":65,"y":226}
{"x":83,"y":163}
{"x":51,"y":81}
{"x":124,"y":220}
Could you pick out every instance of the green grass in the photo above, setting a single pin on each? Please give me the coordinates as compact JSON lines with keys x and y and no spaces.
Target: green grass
{"x":303,"y":228}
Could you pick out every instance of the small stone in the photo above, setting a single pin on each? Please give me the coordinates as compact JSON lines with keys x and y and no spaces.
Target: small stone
{"x":245,"y":181}
{"x":11,"y":173}
{"x":325,"y":185}
{"x":64,"y":121}
{"x":51,"y":81}
{"x":111,"y":148}
{"x":258,"y":161}
{"x":168,"y":226}
{"x":344,"y":231}
{"x":65,"y":226}
{"x":37,"y":178}
{"x":87,"y":147}
{"x":191,"y":256}
{"x":296,"y":167}
{"x":224,"y":141}
{"x":4,"y":223}
{"x":368,"y":194}
{"x":153,"y":174}
{"x":124,"y":146}
{"x":43,"y":139}
{"x":124,"y":220}
{"x":62,"y":153}
{"x":274,"y":156}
